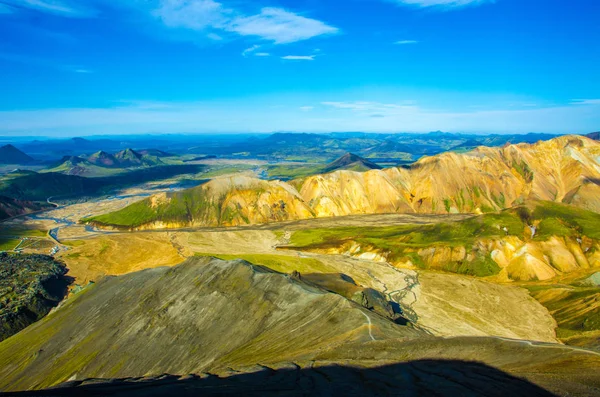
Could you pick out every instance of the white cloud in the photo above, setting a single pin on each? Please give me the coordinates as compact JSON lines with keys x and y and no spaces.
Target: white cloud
{"x":442,"y":3}
{"x":586,"y":101}
{"x":279,"y":26}
{"x":250,"y":50}
{"x":196,"y":15}
{"x":273,"y":24}
{"x":299,"y":57}
{"x":262,"y":54}
{"x":403,"y":42}
{"x":211,"y":18}
{"x":67,"y":9}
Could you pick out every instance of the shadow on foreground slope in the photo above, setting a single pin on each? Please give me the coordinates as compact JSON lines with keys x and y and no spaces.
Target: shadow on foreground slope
{"x":416,"y":378}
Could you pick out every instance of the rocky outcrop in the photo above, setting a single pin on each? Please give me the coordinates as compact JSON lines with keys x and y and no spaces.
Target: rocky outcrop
{"x":30,"y":286}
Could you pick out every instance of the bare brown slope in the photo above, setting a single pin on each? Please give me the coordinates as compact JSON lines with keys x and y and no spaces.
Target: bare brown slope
{"x":10,"y":207}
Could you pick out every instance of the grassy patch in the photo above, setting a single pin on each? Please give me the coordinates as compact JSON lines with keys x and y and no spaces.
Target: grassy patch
{"x":133,"y":215}
{"x":563,"y":220}
{"x":482,"y":266}
{"x":292,"y":171}
{"x":8,"y":244}
{"x":23,"y":232}
{"x":279,"y":263}
{"x":214,"y":172}
{"x":74,"y":243}
{"x":448,"y":234}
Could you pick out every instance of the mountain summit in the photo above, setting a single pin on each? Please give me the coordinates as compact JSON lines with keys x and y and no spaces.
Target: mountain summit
{"x":11,"y":155}
{"x":351,"y":162}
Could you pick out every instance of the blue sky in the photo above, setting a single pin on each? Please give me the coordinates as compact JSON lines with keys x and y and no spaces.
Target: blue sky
{"x":81,"y":67}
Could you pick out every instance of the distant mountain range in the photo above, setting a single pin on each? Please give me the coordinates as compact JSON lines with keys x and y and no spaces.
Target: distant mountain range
{"x":277,"y":146}
{"x":467,"y":145}
{"x":103,"y":164}
{"x":11,"y":155}
{"x":125,"y":159}
{"x":594,"y":135}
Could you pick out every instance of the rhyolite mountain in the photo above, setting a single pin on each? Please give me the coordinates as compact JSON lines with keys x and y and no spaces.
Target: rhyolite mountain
{"x":564,"y":170}
{"x":537,"y":241}
{"x":11,"y":155}
{"x":554,"y":182}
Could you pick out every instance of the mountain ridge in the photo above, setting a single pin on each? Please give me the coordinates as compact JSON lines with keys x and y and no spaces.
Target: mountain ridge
{"x":231,"y":318}
{"x":565,"y":170}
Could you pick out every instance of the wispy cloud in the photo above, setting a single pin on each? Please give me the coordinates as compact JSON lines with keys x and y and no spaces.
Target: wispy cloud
{"x":250,"y":50}
{"x":279,"y":26}
{"x":306,"y":108}
{"x":299,"y":57}
{"x":262,"y":54}
{"x":442,"y":3}
{"x":586,"y":101}
{"x":214,"y":36}
{"x":273,"y":24}
{"x":403,"y":42}
{"x":195,"y":15}
{"x":349,"y":105}
{"x":62,"y":8}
